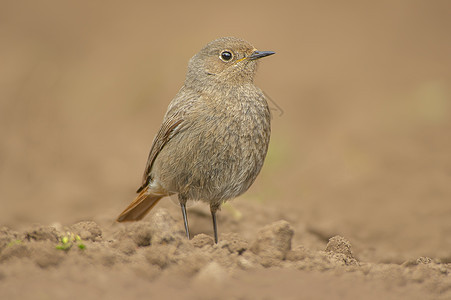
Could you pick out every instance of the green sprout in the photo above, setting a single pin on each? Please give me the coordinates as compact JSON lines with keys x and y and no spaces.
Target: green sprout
{"x":69,"y":240}
{"x":14,"y":242}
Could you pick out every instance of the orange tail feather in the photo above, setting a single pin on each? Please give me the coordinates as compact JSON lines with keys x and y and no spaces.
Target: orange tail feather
{"x":142,"y":204}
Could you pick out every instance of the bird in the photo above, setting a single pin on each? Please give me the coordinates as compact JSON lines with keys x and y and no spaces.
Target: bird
{"x":215,"y":134}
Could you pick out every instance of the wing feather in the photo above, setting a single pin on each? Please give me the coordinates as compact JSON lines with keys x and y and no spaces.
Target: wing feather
{"x":170,"y":127}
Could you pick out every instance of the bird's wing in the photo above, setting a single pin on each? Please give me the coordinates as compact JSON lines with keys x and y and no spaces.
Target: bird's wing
{"x":170,"y":127}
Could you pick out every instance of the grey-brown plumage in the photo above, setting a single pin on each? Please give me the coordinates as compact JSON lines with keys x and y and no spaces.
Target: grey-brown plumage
{"x":215,"y":134}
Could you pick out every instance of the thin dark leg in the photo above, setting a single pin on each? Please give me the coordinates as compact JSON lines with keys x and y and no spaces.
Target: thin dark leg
{"x":185,"y":219}
{"x":215,"y":226}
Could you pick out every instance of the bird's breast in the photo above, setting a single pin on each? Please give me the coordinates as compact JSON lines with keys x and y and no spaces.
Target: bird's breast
{"x":221,"y":152}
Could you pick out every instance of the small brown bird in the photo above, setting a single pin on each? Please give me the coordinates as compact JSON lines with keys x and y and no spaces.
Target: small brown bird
{"x":215,"y":134}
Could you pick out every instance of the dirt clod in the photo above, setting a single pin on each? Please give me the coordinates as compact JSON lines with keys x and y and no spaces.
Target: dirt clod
{"x":339,"y":245}
{"x":88,"y":230}
{"x":202,"y":240}
{"x":140,"y":233}
{"x":41,"y":233}
{"x":164,"y":228}
{"x":273,"y":242}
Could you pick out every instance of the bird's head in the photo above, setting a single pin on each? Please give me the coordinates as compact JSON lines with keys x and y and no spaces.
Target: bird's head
{"x":224,"y":62}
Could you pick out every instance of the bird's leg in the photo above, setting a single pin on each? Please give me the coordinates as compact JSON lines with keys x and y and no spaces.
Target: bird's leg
{"x":213,"y":210}
{"x":185,"y":218}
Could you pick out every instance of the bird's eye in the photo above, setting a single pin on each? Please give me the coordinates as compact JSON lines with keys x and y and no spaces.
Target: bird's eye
{"x":226,"y":55}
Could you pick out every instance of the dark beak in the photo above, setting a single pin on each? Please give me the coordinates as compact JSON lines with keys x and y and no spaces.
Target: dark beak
{"x":259,"y":54}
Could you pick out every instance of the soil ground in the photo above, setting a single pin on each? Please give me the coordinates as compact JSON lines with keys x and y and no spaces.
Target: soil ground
{"x":354,"y":200}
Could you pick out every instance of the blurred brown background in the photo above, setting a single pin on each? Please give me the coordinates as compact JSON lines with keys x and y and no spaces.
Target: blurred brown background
{"x":362,"y":149}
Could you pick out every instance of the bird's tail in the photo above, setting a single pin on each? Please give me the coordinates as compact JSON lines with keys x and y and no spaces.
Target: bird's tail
{"x":142,"y":204}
